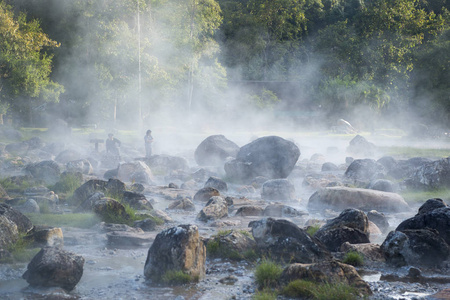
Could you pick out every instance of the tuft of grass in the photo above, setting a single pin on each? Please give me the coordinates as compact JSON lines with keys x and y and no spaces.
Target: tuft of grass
{"x":9,"y":185}
{"x":335,"y":291}
{"x":311,"y":230}
{"x":265,"y":294}
{"x":20,"y":251}
{"x":267,"y":274}
{"x":353,"y":258}
{"x":78,"y":220}
{"x":68,"y":184}
{"x":299,"y":289}
{"x":414,"y":196}
{"x":177,"y":278}
{"x":304,"y":289}
{"x":410,"y":152}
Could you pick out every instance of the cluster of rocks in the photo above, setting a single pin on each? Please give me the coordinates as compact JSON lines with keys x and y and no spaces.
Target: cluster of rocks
{"x":265,"y":165}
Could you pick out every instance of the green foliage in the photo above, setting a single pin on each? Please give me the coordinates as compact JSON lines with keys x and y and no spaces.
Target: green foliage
{"x":177,"y":278}
{"x":7,"y":184}
{"x":267,"y":274}
{"x":300,"y":289}
{"x":311,"y":230}
{"x":265,"y":294}
{"x":68,"y":184}
{"x":321,"y":291}
{"x":25,"y":66}
{"x":419,"y":197}
{"x":78,"y":220}
{"x":265,"y":99}
{"x":353,"y":258}
{"x":335,"y":291}
{"x":20,"y":251}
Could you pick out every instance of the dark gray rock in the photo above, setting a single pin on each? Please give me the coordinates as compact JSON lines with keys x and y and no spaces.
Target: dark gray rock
{"x":364,"y":170}
{"x":378,"y":219}
{"x":329,"y":167}
{"x":272,"y":157}
{"x":431,"y":215}
{"x":282,"y":211}
{"x":383,"y":185}
{"x":285,"y":241}
{"x":416,"y":247}
{"x":22,"y":222}
{"x":249,"y":210}
{"x":431,"y":175}
{"x":136,"y":200}
{"x":350,"y":226}
{"x":53,"y":267}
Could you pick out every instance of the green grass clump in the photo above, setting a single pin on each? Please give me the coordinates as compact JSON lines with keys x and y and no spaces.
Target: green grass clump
{"x":299,"y":289}
{"x":20,"y":251}
{"x":267,"y":274}
{"x":77,"y":220}
{"x":304,"y":289}
{"x":177,"y":278}
{"x":353,"y":258}
{"x":9,"y":185}
{"x":215,"y":249}
{"x":410,"y":152}
{"x":265,"y":295}
{"x":311,"y":230}
{"x":335,"y":291}
{"x":68,"y":184}
{"x":414,"y":196}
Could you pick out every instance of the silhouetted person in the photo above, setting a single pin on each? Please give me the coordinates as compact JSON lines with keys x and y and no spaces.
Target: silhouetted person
{"x":112,"y":145}
{"x":148,"y":139}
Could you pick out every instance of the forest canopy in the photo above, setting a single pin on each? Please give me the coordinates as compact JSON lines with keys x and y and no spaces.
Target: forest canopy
{"x":147,"y":61}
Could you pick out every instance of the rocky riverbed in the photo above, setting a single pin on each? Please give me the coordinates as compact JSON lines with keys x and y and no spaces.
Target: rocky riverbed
{"x":116,"y":271}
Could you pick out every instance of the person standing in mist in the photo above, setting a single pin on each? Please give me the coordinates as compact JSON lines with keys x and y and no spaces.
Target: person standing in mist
{"x":148,"y":139}
{"x":112,"y":145}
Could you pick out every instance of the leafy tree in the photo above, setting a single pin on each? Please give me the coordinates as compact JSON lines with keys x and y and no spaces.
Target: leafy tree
{"x":24,"y":64}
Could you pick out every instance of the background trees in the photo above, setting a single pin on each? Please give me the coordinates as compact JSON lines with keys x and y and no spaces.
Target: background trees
{"x":122,"y":61}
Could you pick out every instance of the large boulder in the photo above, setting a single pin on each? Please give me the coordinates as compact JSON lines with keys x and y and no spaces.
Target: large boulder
{"x":214,"y":150}
{"x":278,"y":190}
{"x":330,"y":271}
{"x":216,"y":208}
{"x":350,"y":226}
{"x":53,"y":267}
{"x":86,"y":190}
{"x":272,"y":157}
{"x":434,"y":214}
{"x":136,"y":171}
{"x":432,"y":175}
{"x":47,"y":171}
{"x":283,"y":240}
{"x":176,"y":249}
{"x":416,"y":247}
{"x":339,"y":198}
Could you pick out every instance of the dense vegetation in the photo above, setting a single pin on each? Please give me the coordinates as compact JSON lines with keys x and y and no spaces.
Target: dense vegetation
{"x":102,"y":61}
